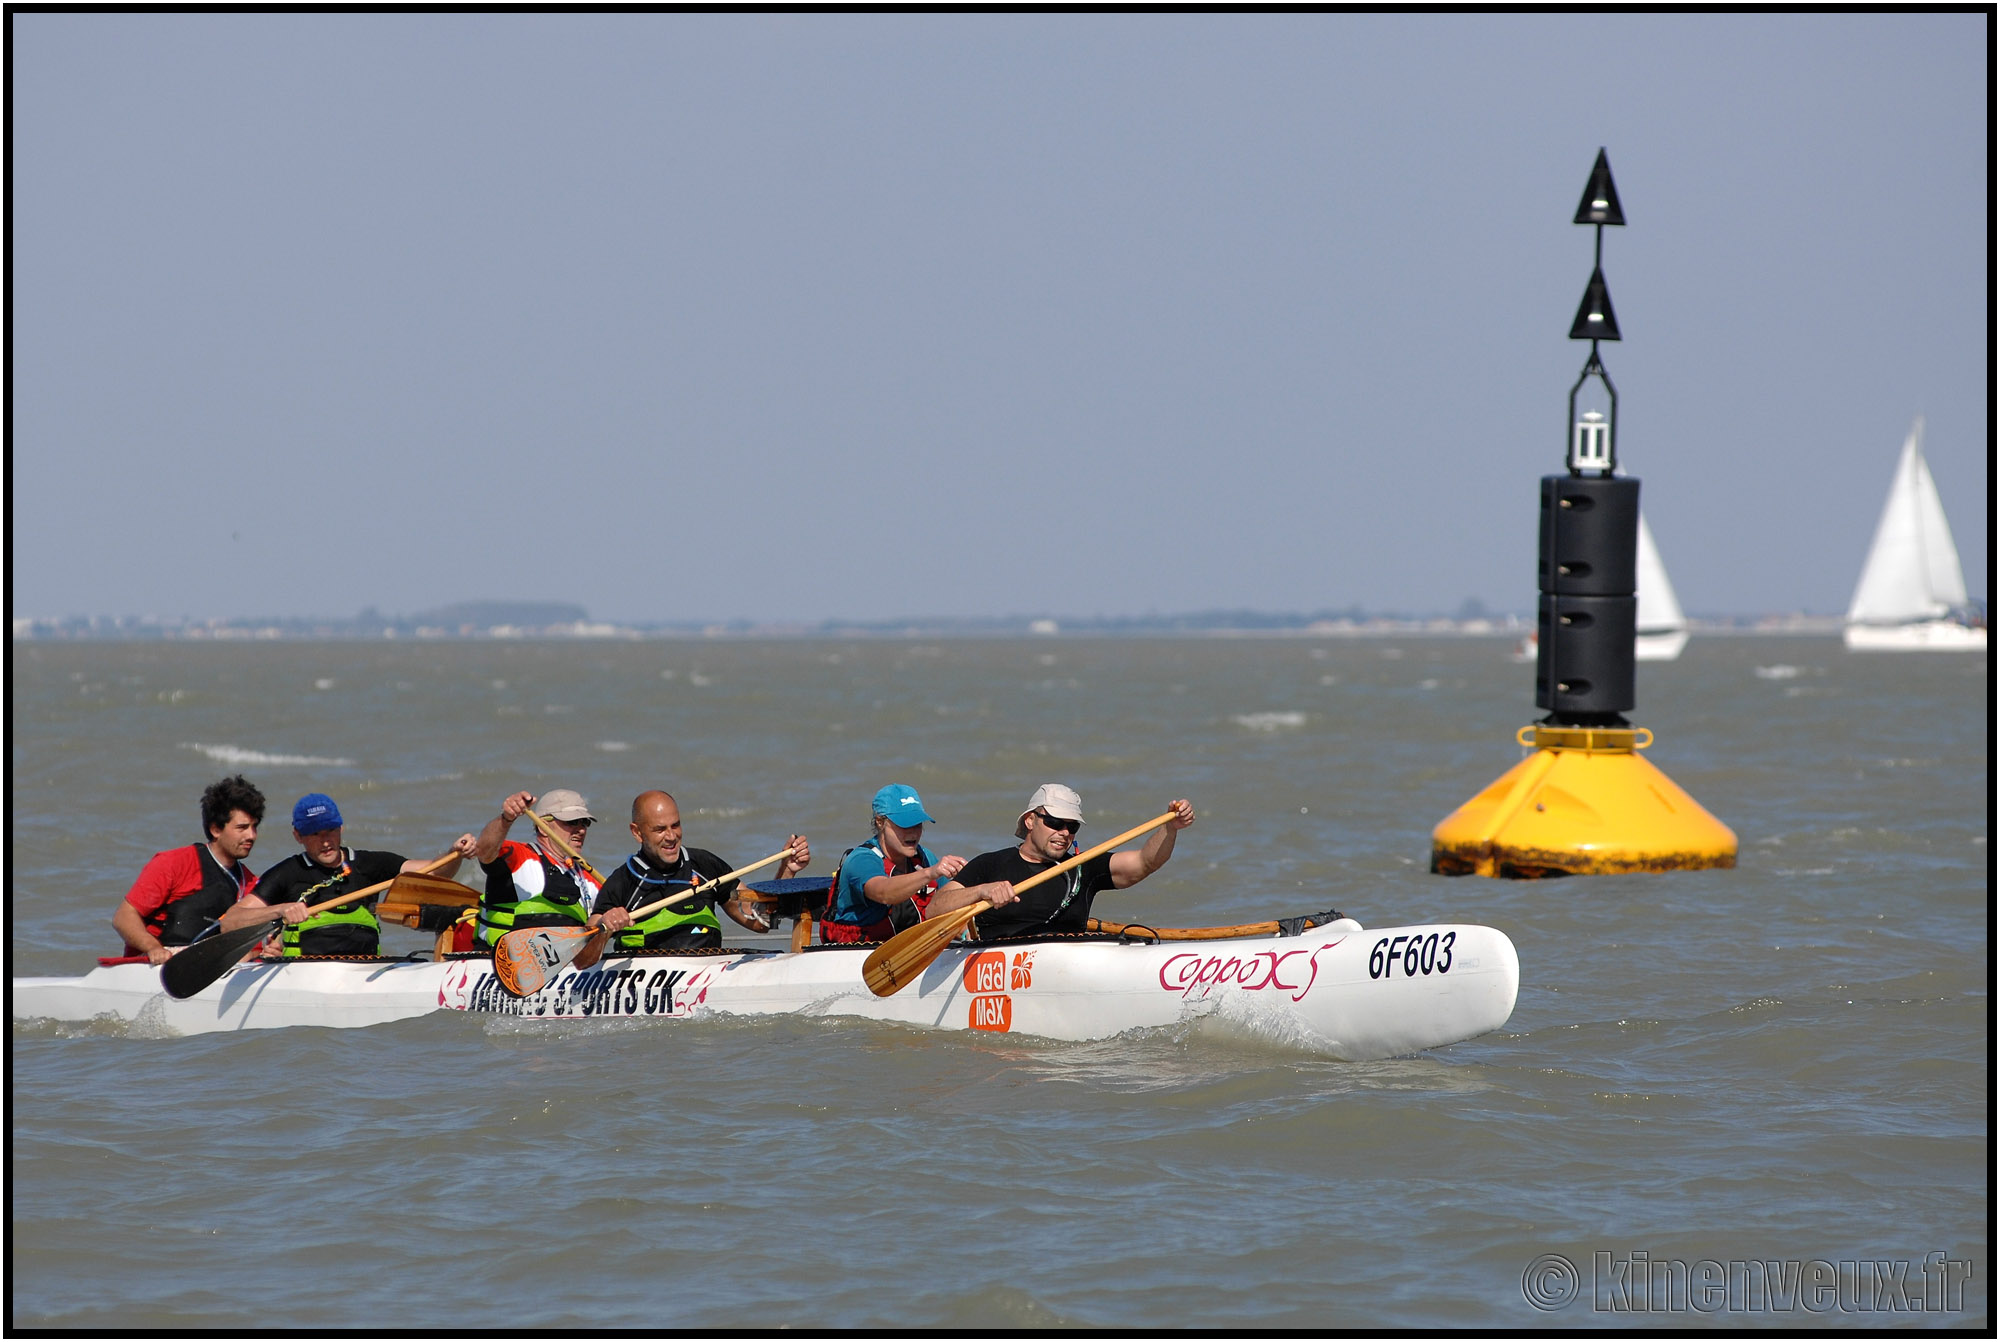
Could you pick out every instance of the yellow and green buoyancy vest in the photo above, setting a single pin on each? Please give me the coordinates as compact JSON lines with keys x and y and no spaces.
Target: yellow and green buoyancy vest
{"x":359,"y":913}
{"x":688,"y":915}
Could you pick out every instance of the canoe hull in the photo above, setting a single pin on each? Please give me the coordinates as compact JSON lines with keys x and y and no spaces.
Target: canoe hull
{"x":1346,"y":994}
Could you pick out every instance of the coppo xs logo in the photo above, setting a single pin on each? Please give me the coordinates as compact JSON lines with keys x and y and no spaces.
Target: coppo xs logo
{"x":1192,"y":974}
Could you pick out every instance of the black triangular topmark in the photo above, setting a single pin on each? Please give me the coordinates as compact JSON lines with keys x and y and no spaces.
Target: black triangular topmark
{"x":1594,"y":318}
{"x":1600,"y":199}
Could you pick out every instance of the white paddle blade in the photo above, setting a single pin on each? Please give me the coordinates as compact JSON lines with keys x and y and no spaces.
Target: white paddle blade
{"x":525,"y":959}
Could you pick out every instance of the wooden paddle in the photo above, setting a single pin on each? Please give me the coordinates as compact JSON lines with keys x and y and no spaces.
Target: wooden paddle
{"x":415,"y":888}
{"x":409,"y":895}
{"x":203,"y":962}
{"x":898,"y":961}
{"x":525,"y":959}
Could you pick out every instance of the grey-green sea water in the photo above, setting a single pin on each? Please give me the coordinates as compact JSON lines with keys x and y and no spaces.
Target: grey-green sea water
{"x":1788,"y":1061}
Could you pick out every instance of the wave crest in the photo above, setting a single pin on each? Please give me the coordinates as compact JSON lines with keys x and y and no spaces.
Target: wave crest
{"x":227,"y":754}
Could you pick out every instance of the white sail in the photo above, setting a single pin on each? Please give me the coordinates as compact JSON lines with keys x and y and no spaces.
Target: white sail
{"x":1659,"y":609}
{"x":1912,"y":579}
{"x":1661,"y":627}
{"x":1912,"y":572}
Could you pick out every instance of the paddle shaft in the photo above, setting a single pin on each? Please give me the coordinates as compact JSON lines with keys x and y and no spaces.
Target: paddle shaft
{"x":1085,"y":856}
{"x":649,"y":910}
{"x":550,"y":833}
{"x":375,"y":889}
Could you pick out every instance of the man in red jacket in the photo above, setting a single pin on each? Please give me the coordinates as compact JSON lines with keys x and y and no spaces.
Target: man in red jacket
{"x":181,"y":891}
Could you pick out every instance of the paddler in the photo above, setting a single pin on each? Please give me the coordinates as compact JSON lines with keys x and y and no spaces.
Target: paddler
{"x":539,"y":885}
{"x":1047,"y":831}
{"x":323,"y":869}
{"x":887,"y":882}
{"x":665,"y":866}
{"x":182,"y":891}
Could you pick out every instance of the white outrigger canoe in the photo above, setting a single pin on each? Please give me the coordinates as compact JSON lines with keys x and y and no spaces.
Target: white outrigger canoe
{"x":1336,"y":990}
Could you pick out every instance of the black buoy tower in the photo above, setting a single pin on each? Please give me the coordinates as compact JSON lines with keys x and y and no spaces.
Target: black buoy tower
{"x":1583,"y":800}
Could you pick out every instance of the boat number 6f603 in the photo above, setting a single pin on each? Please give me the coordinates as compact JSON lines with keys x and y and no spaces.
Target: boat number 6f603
{"x":1414,"y":955}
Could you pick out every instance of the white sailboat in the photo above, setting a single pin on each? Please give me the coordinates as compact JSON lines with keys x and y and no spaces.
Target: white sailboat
{"x":1661,"y":629}
{"x":1912,"y":586}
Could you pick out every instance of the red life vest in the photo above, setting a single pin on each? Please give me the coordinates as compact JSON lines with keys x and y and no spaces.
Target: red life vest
{"x":888,"y":924}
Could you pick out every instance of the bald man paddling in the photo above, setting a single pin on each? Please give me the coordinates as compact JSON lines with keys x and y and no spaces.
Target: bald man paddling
{"x":665,"y":866}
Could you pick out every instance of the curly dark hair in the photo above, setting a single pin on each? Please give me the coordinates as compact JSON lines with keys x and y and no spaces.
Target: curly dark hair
{"x":234,"y":793}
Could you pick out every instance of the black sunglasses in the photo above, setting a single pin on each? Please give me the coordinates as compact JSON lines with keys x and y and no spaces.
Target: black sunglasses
{"x":1066,"y":826}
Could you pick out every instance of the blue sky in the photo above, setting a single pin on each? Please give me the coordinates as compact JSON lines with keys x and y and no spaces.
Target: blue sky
{"x":806,"y":317}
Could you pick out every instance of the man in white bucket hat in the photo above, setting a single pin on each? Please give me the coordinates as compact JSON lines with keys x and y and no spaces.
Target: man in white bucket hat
{"x":1047,"y":830}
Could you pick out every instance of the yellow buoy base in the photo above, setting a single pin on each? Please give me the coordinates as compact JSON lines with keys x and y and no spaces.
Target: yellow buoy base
{"x":1584,"y":803}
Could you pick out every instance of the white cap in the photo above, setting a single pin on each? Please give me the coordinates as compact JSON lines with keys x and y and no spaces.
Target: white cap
{"x":1054,"y":799}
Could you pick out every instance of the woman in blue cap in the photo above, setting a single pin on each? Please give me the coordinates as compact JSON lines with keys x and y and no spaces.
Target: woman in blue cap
{"x":888,"y":878}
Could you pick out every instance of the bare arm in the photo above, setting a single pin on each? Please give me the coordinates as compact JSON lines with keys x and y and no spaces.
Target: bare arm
{"x":800,"y":859}
{"x":463,"y":846}
{"x":744,"y":911}
{"x":896,"y":889}
{"x":252,"y":909}
{"x":1131,"y":867}
{"x":130,"y":924}
{"x":487,"y":846}
{"x":952,"y":895}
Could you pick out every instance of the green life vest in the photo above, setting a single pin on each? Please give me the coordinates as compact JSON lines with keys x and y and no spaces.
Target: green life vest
{"x":360,"y":913}
{"x":547,"y":907}
{"x":689,"y":915}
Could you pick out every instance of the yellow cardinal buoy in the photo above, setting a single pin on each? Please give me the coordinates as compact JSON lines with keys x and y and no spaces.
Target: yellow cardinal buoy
{"x":1584,"y":803}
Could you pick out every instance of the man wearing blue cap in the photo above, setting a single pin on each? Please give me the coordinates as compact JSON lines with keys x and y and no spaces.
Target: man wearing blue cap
{"x":886,"y":882}
{"x":323,"y":871}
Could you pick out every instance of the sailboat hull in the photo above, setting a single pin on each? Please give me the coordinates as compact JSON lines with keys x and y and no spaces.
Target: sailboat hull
{"x":1662,"y":645}
{"x":1922,"y":636}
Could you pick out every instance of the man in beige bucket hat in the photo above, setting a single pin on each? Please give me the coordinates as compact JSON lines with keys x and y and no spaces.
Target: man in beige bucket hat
{"x":537,"y":885}
{"x":1047,"y":830}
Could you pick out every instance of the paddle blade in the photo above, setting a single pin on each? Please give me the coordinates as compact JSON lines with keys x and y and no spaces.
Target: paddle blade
{"x":415,"y":888}
{"x":593,"y":950}
{"x":201,"y":964}
{"x":525,"y":959}
{"x":902,"y":959}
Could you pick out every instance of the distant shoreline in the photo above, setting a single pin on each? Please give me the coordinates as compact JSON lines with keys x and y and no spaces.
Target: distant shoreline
{"x":1191,"y":627}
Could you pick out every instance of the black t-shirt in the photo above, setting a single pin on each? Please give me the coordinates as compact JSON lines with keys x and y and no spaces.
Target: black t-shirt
{"x":299,"y":878}
{"x":624,"y":887}
{"x":1060,"y":904}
